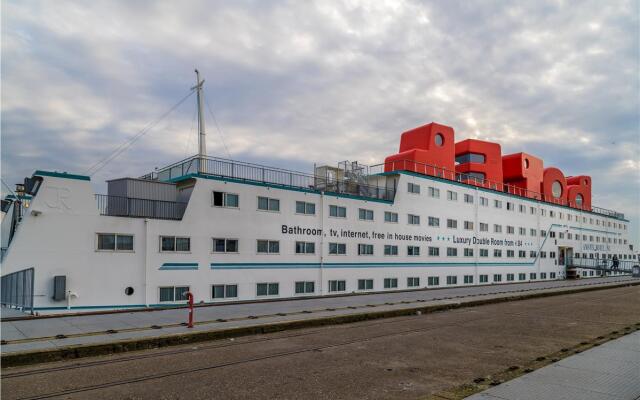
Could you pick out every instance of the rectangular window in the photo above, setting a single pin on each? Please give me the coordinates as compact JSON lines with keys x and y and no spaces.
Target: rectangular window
{"x":305,"y":287}
{"x":221,"y":245}
{"x":552,"y":275}
{"x":543,"y":254}
{"x":468,"y":198}
{"x":390,"y":250}
{"x":510,"y":277}
{"x":413,"y":282}
{"x":522,"y":231}
{"x":366,"y":215}
{"x":390,"y":283}
{"x":338,"y":248}
{"x":173,"y":293}
{"x":533,"y":210}
{"x":452,"y":252}
{"x":434,"y":251}
{"x":532,"y":232}
{"x":337,"y":211}
{"x":497,"y":277}
{"x":365,"y":249}
{"x":511,"y":230}
{"x":268,"y":246}
{"x":484,"y":201}
{"x":413,"y":188}
{"x":543,"y":233}
{"x":433,"y":221}
{"x":413,"y":219}
{"x":523,"y":208}
{"x":497,"y":228}
{"x":115,"y":242}
{"x":224,"y":291}
{"x":268,"y":204}
{"x":390,"y":217}
{"x":433,"y":281}
{"x":452,"y":223}
{"x":522,"y":277}
{"x":532,"y":254}
{"x":468,"y":279}
{"x":511,"y":253}
{"x":497,"y":253}
{"x":543,"y":275}
{"x":223,"y":199}
{"x":453,"y":196}
{"x":365,"y":284}
{"x":484,"y":278}
{"x":510,"y":206}
{"x":484,"y":252}
{"x":434,"y":192}
{"x":267,"y":289}
{"x":337,"y":286}
{"x":413,"y":251}
{"x":468,"y":225}
{"x":484,"y":227}
{"x":452,"y":280}
{"x":522,"y":253}
{"x":302,"y":207}
{"x":305,"y":248}
{"x":468,"y":252}
{"x":532,"y":275}
{"x":497,"y":204}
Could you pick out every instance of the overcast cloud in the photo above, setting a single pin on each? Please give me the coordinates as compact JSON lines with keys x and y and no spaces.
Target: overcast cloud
{"x":298,"y":82}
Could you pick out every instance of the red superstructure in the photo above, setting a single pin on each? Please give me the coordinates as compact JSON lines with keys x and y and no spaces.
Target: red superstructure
{"x":431,"y":150}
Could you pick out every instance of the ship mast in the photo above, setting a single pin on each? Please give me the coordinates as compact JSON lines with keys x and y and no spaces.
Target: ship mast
{"x":202,"y":136}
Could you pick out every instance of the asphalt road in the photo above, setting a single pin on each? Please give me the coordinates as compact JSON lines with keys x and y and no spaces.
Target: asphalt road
{"x":396,"y":358}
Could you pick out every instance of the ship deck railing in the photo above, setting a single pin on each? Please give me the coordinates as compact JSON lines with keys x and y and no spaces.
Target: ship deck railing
{"x":117,"y":206}
{"x":220,"y":167}
{"x":602,"y":264}
{"x":473,"y":180}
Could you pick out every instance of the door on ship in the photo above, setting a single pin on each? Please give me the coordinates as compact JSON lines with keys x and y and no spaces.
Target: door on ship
{"x":565,"y":254}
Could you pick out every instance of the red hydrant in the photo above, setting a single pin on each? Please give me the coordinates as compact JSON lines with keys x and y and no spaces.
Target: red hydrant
{"x":190,"y":302}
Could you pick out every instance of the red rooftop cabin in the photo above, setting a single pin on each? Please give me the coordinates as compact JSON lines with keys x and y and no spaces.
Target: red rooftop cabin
{"x":431,"y":150}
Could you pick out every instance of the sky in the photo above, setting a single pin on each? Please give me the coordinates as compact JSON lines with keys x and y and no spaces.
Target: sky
{"x":293,"y":83}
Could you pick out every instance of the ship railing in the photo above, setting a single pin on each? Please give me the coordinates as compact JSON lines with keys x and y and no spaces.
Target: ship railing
{"x":601,"y":264}
{"x":117,"y":206}
{"x":214,"y":166}
{"x":16,"y":290}
{"x":474,"y":180}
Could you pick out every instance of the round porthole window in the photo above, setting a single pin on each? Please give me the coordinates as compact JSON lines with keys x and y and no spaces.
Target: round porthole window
{"x":526,"y":163}
{"x":579,"y":200}
{"x":556,"y":189}
{"x":128,"y":291}
{"x":439,"y":139}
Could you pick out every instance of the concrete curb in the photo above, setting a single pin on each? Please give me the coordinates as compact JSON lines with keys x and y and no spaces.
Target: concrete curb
{"x":79,"y":351}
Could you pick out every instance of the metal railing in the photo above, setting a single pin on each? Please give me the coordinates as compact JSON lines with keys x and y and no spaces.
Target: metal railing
{"x":275,"y":176}
{"x":440,"y":172}
{"x":17,"y":289}
{"x":601,"y":264}
{"x":117,"y":206}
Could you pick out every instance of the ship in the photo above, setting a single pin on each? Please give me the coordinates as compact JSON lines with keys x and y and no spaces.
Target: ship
{"x":438,"y":213}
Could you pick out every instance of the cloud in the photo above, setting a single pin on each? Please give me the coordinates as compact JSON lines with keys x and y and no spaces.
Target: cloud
{"x":294,"y":83}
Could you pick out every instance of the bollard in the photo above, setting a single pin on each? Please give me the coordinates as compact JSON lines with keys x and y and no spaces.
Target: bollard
{"x":190,"y":302}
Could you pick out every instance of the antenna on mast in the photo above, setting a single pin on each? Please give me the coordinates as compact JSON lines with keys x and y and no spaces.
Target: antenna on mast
{"x":202,"y":136}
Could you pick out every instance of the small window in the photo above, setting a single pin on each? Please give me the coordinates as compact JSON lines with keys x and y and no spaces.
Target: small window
{"x":532,"y":254}
{"x":552,"y":275}
{"x":543,"y":275}
{"x":532,"y":232}
{"x":532,"y":275}
{"x":390,"y":283}
{"x":497,"y":204}
{"x":175,"y":244}
{"x":484,"y":252}
{"x":305,"y":248}
{"x":337,"y":286}
{"x":522,"y":231}
{"x":413,"y":282}
{"x":268,"y":246}
{"x":225,"y":245}
{"x":365,"y":249}
{"x":390,"y":250}
{"x":497,"y":253}
{"x":413,"y":251}
{"x":390,"y":217}
{"x":434,"y":192}
{"x":468,"y":279}
{"x":510,"y":206}
{"x":468,"y":225}
{"x":522,"y":208}
{"x":522,"y":277}
{"x":468,"y":198}
{"x":433,"y":281}
{"x":497,"y":277}
{"x":413,"y":219}
{"x":268,"y":204}
{"x":338,"y":248}
{"x":365,"y":284}
{"x":366,"y":215}
{"x":452,"y":224}
{"x":267,"y":289}
{"x":484,"y":201}
{"x":451,"y":195}
{"x":510,"y":277}
{"x":114,"y":242}
{"x":224,"y":291}
{"x":307,"y":287}
{"x":468,"y":252}
{"x":522,"y":253}
{"x":337,"y":211}
{"x":433,"y":221}
{"x":511,"y":230}
{"x":413,"y":188}
{"x":497,"y":228}
{"x":222,"y":199}
{"x":484,"y":278}
{"x":434,"y":251}
{"x":173,"y":293}
{"x":452,"y":280}
{"x":484,"y":227}
{"x":511,"y":253}
{"x":302,"y":207}
{"x":452,"y":252}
